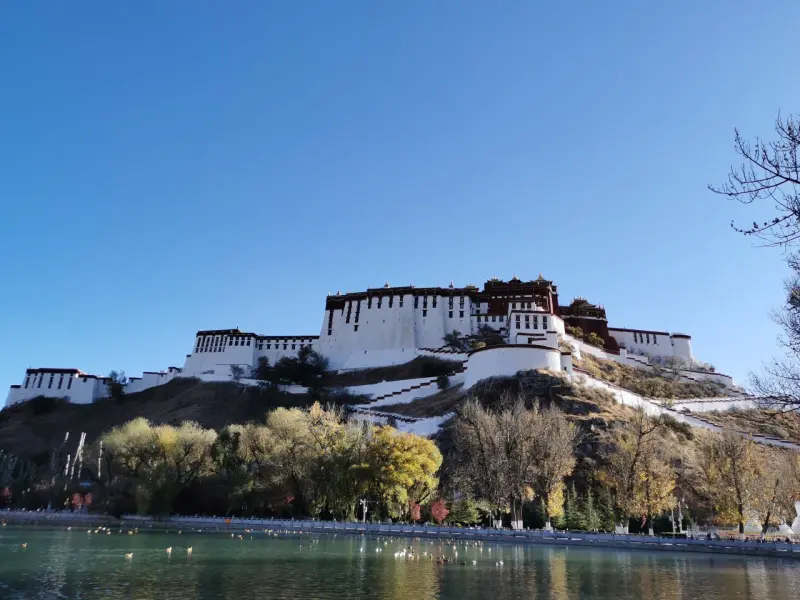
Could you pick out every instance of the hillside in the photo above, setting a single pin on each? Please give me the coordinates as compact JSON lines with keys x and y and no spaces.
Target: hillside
{"x":31,"y":429}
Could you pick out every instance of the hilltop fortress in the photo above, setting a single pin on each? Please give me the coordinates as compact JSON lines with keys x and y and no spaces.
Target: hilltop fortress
{"x":393,"y":325}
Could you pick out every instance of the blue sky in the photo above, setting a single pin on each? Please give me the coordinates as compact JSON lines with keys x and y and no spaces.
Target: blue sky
{"x":172,"y":166}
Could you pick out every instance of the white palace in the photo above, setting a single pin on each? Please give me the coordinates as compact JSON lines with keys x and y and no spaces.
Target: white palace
{"x":393,"y":325}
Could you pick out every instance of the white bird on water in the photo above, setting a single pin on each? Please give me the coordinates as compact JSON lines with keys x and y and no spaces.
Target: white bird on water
{"x":189,"y":551}
{"x":169,"y":551}
{"x":129,"y":555}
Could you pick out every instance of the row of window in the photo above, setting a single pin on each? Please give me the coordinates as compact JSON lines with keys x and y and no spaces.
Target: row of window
{"x":50,"y":382}
{"x":640,"y":338}
{"x":218,"y":345}
{"x":535,"y":322}
{"x":494,"y":318}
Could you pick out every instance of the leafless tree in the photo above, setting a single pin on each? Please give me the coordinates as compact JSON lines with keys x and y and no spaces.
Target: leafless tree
{"x":770,"y":172}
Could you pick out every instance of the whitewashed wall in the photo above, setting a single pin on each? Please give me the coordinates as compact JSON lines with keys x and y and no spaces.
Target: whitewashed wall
{"x":653,"y":343}
{"x":505,"y":361}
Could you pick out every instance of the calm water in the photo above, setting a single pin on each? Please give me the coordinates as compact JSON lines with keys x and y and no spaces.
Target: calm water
{"x":73,"y":564}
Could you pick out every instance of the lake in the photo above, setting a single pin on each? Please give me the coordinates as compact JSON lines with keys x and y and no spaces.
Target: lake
{"x":73,"y":564}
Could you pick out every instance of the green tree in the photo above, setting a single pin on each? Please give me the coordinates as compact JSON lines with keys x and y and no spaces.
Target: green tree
{"x":464,"y":512}
{"x":237,"y":372}
{"x":573,"y":514}
{"x":116,"y":382}
{"x":592,"y":517}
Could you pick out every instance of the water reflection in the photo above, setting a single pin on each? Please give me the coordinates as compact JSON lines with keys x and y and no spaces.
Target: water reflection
{"x":62,"y":564}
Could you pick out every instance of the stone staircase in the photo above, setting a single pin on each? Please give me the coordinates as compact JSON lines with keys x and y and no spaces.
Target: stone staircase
{"x":364,"y":409}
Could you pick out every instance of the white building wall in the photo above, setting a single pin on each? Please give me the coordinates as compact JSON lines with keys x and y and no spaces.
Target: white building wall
{"x":652,"y":343}
{"x":78,"y":388}
{"x":505,"y":361}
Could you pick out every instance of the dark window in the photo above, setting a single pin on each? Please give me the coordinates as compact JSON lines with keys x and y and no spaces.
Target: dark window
{"x":416,"y":301}
{"x":237,"y":342}
{"x":544,"y":322}
{"x":536,"y":322}
{"x":50,"y":382}
{"x":450,"y":314}
{"x":390,"y":301}
{"x":330,"y":332}
{"x":450,"y":300}
{"x":434,"y":302}
{"x":424,"y":302}
{"x":69,"y":383}
{"x":380,"y":298}
{"x":284,"y":346}
{"x":230,"y":342}
{"x":513,"y":305}
{"x":424,"y":313}
{"x":292,"y":346}
{"x":530,"y":341}
{"x":268,"y":346}
{"x":461,"y":314}
{"x":493,"y":318}
{"x":401,"y":302}
{"x":355,"y":327}
{"x":369,"y":302}
{"x":27,"y":380}
{"x":248,"y":341}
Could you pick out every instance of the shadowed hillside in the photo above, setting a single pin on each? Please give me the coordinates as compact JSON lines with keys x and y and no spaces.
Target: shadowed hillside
{"x":30,"y":429}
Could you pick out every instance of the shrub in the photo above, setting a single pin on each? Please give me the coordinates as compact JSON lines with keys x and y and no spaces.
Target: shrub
{"x":42,"y":405}
{"x":575,"y":332}
{"x":678,"y":426}
{"x":594,"y":340}
{"x":443,"y":382}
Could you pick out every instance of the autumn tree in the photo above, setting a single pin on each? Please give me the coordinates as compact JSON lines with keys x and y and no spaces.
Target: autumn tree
{"x":400,"y":468}
{"x":780,"y":487}
{"x":732,"y":467}
{"x":160,"y":460}
{"x":636,"y":470}
{"x":552,"y":451}
{"x":439,"y":510}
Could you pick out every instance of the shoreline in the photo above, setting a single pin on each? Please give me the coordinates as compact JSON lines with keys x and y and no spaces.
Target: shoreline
{"x":201,"y":525}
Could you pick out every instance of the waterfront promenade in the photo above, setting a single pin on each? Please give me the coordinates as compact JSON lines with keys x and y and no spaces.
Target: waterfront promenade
{"x":188,"y":524}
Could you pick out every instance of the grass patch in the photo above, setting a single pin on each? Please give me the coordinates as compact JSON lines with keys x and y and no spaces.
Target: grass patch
{"x":644,"y":383}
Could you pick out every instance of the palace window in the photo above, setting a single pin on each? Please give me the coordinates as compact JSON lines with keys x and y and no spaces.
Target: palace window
{"x":450,"y":314}
{"x":434,"y":302}
{"x":284,"y":346}
{"x":461,"y":302}
{"x":424,"y":312}
{"x":535,"y":322}
{"x":330,"y":332}
{"x":292,"y":346}
{"x":416,"y":301}
{"x":424,"y":302}
{"x":60,"y":381}
{"x":450,"y":300}
{"x":461,"y":314}
{"x":380,"y":298}
{"x":493,"y":318}
{"x":248,"y":341}
{"x":401,"y":302}
{"x":527,"y":321}
{"x":50,"y":382}
{"x":69,"y":383}
{"x":41,"y":377}
{"x":355,"y":327}
{"x":369,"y":302}
{"x":391,"y":298}
{"x":230,"y":342}
{"x":27,"y":380}
{"x":544,"y":322}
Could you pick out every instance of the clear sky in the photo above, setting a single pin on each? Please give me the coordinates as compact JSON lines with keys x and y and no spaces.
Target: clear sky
{"x":172,"y":166}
